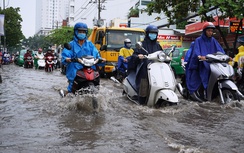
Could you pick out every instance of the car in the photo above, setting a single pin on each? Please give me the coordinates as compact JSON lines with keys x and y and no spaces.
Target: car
{"x":177,"y":59}
{"x":20,"y":59}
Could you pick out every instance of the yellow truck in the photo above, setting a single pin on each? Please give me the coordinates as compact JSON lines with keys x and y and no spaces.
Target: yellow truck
{"x":109,"y":40}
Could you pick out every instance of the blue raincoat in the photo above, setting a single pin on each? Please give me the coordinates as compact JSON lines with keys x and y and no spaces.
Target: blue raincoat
{"x":77,"y":51}
{"x":199,"y":71}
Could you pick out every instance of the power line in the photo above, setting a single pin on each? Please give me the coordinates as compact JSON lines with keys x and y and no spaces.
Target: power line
{"x":86,"y":12}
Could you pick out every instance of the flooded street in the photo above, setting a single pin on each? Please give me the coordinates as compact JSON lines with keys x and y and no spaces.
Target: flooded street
{"x":34,"y":118}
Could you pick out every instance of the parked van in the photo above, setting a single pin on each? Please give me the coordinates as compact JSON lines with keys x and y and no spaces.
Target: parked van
{"x":177,"y":60}
{"x":109,"y":40}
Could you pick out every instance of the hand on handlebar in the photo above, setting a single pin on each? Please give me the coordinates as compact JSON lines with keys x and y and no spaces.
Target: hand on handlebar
{"x":68,"y":60}
{"x":201,"y":58}
{"x":141,"y":56}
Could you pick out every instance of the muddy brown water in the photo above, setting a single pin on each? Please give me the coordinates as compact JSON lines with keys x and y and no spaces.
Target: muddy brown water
{"x":34,"y":118}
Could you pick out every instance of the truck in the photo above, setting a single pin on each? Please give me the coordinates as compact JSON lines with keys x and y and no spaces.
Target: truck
{"x":109,"y":40}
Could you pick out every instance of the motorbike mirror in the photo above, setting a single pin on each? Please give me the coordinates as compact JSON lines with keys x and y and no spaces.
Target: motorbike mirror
{"x":172,"y":50}
{"x":67,"y":46}
{"x":138,"y":45}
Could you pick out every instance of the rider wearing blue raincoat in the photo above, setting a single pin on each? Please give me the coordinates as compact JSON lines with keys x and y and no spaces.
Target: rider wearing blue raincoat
{"x":199,"y":71}
{"x":80,"y":46}
{"x":151,"y":45}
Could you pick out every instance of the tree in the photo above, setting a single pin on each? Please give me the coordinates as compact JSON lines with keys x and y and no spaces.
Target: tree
{"x":134,"y":12}
{"x":61,"y":35}
{"x":12,"y":27}
{"x":177,"y":10}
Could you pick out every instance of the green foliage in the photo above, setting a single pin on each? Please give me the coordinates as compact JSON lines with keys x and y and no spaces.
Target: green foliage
{"x":181,"y":25}
{"x":57,"y":36}
{"x":174,"y":9}
{"x":134,"y":12}
{"x":61,"y":35}
{"x":36,"y":42}
{"x":12,"y":27}
{"x":177,"y":10}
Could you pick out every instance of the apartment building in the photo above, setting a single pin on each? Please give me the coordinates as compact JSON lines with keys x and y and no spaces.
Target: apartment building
{"x":50,"y":15}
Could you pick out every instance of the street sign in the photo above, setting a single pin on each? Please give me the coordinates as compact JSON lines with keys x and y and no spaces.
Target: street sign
{"x":234,"y":27}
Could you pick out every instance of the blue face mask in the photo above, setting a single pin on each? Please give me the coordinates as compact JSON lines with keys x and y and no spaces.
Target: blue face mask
{"x":152,"y":36}
{"x":81,"y":36}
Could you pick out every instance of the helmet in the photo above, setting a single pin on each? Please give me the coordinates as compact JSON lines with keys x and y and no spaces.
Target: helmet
{"x":127,"y":43}
{"x":127,"y":40}
{"x":208,"y":25}
{"x":80,"y":26}
{"x":49,"y":50}
{"x":152,"y":28}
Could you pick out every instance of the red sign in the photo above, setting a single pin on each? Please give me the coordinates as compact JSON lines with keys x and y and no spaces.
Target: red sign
{"x":122,"y":25}
{"x":168,"y":37}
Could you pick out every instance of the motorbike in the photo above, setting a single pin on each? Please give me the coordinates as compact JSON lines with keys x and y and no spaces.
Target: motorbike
{"x":121,"y":70}
{"x":49,"y":64}
{"x":220,"y":82}
{"x":162,"y":88}
{"x":28,"y":62}
{"x":41,"y":62}
{"x":87,"y":79}
{"x":6,"y":59}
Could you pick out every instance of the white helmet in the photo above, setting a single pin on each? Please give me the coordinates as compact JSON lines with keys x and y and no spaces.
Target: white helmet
{"x":127,"y":40}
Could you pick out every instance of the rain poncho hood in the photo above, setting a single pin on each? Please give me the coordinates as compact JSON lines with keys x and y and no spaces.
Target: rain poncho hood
{"x":198,"y":71}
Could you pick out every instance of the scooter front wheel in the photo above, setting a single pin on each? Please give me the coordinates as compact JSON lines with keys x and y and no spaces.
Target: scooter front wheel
{"x":229,"y":95}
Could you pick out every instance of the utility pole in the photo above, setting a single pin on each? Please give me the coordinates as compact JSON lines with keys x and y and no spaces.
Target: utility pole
{"x":99,"y":10}
{"x":98,"y":22}
{"x":4,"y":37}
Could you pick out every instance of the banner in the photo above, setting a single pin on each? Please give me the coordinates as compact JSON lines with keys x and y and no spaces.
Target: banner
{"x":167,"y":41}
{"x":1,"y":25}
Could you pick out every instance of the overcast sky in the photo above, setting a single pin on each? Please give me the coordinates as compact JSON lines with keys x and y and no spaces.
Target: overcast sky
{"x":114,"y":9}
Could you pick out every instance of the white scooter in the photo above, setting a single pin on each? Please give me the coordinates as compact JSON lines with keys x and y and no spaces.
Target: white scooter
{"x":220,"y":82}
{"x":41,"y":62}
{"x":162,"y":82}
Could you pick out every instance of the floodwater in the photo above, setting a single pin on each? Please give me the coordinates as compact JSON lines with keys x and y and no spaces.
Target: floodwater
{"x":34,"y":118}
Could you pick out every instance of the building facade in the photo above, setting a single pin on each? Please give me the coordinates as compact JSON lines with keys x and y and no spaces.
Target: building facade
{"x":50,"y":15}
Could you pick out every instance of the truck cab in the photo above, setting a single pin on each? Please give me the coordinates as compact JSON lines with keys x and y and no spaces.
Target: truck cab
{"x":109,"y":40}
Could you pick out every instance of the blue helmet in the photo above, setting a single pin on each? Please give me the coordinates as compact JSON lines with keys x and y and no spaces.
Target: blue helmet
{"x":80,"y":26}
{"x":151,"y":29}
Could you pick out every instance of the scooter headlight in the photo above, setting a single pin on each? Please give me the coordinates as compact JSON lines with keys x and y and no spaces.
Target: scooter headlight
{"x":161,"y":56}
{"x":88,"y":62}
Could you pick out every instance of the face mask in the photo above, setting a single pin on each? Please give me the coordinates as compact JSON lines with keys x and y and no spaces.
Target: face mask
{"x":152,"y":36}
{"x":128,"y":45}
{"x":81,"y":36}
